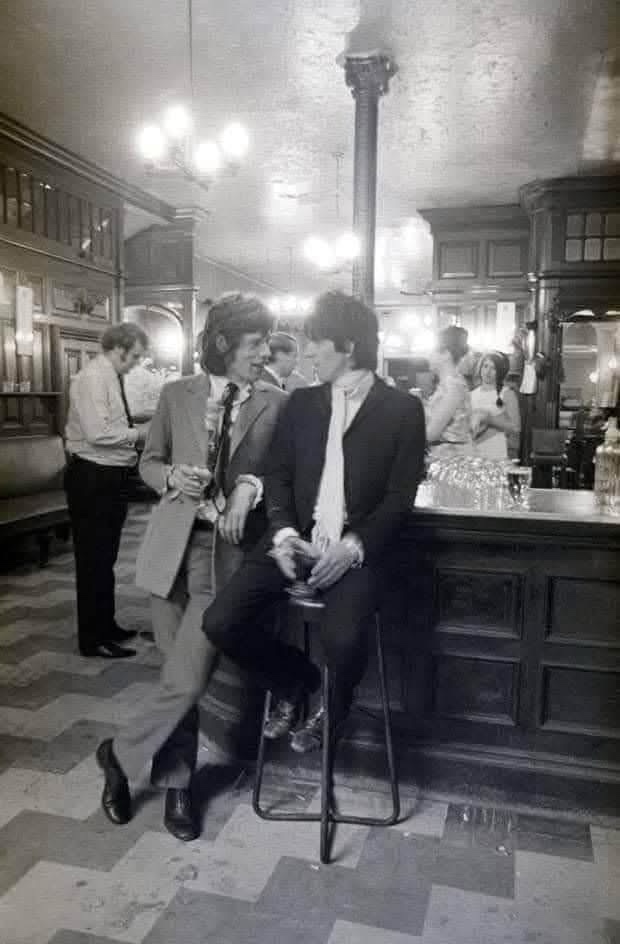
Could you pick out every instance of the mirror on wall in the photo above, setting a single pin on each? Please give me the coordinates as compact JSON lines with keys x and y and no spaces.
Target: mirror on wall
{"x":590,"y":367}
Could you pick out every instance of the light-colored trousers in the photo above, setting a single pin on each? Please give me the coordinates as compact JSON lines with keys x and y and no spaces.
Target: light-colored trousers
{"x":165,"y":732}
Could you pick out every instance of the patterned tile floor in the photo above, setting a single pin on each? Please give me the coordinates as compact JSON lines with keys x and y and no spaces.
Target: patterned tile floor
{"x":449,"y":874}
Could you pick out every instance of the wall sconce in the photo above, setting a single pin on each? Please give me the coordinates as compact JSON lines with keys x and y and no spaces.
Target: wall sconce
{"x":24,"y":334}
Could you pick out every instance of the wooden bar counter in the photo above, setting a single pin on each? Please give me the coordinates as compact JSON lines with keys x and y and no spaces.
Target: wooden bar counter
{"x":503,"y":646}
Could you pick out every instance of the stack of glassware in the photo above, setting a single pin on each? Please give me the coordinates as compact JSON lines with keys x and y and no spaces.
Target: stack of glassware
{"x":473,"y":482}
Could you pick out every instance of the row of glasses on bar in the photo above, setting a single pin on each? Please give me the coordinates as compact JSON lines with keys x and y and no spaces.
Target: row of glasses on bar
{"x":477,"y":483}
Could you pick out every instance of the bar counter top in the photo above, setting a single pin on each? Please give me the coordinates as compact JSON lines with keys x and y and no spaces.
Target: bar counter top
{"x":549,"y":511}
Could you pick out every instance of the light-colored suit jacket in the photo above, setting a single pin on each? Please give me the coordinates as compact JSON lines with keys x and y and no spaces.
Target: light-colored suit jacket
{"x":178,"y":435}
{"x":295,"y":381}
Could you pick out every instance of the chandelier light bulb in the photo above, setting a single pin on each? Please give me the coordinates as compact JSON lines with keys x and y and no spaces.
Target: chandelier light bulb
{"x":275,"y":305}
{"x":593,"y":378}
{"x":177,"y":122}
{"x":318,"y":252}
{"x":152,"y":143}
{"x":207,"y":158}
{"x":235,"y":141}
{"x":290,"y":304}
{"x":305,"y":305}
{"x":348,"y":246}
{"x":426,"y":341}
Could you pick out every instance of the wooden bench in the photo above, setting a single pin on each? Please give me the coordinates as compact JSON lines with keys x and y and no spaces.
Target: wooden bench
{"x":32,"y":499}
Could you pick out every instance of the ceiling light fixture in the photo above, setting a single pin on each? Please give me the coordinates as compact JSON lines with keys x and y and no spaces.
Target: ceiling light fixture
{"x":294,"y":306}
{"x":171,"y":147}
{"x":332,"y":256}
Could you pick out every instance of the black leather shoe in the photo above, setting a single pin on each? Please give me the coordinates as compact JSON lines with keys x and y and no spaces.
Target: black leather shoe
{"x":179,"y":818}
{"x":116,"y":798}
{"x":281,"y":719}
{"x":106,"y":650}
{"x":118,"y":634}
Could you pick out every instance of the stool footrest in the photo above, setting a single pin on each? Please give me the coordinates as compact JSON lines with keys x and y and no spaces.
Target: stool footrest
{"x":327,"y":817}
{"x":331,"y":818}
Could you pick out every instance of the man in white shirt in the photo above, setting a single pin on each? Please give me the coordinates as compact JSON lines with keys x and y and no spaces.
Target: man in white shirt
{"x":204,"y":455}
{"x":101,"y":442}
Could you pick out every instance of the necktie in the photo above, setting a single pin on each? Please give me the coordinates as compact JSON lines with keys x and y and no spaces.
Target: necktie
{"x":121,"y":381}
{"x":223,"y":451}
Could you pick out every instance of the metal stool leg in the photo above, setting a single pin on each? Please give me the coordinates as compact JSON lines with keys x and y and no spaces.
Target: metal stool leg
{"x":326,"y":769}
{"x":260,"y":759}
{"x":387,"y":723}
{"x":327,"y":817}
{"x":389,"y":747}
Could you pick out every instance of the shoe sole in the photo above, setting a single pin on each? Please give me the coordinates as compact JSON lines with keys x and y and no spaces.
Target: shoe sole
{"x":176,"y":835}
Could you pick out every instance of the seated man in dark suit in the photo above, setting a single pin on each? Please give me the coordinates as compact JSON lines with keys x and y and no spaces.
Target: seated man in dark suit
{"x":342,"y":477}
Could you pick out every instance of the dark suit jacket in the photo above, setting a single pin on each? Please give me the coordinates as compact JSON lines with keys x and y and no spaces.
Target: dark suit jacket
{"x":383,"y":463}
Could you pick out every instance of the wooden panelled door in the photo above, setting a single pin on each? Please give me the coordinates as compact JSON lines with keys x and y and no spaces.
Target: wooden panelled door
{"x":73,"y":354}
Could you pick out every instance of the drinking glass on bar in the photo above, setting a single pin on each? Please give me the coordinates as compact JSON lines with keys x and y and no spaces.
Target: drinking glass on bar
{"x":519,"y":480}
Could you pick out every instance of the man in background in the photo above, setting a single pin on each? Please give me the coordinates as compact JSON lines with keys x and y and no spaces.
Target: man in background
{"x":281,"y":368}
{"x":101,"y":441}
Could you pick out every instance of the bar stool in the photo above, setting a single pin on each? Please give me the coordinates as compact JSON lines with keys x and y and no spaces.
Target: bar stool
{"x":312,"y":613}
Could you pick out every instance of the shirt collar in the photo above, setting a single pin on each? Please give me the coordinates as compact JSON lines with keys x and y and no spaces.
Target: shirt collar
{"x":275,"y":376}
{"x":219,"y":384}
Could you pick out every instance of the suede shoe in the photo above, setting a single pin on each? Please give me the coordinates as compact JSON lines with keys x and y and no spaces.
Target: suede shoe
{"x":179,"y":816}
{"x":309,"y":737}
{"x":281,"y":720}
{"x":116,"y":798}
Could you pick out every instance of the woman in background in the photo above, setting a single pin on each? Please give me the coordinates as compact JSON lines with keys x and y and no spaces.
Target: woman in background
{"x":448,"y":409}
{"x":496,"y":422}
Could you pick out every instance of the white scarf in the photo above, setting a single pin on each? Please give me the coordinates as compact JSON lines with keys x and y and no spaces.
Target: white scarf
{"x":330,"y":510}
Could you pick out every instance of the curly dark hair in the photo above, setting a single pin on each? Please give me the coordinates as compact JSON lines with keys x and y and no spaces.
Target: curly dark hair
{"x":230,"y":317}
{"x":341,"y":318}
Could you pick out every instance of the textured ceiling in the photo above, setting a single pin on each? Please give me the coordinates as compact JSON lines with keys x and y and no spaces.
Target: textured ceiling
{"x":488,"y":96}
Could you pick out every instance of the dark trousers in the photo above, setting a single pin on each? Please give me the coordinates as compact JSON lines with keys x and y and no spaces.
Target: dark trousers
{"x":97,"y":500}
{"x":232,"y":623}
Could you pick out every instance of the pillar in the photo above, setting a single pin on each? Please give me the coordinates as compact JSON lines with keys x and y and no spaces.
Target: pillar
{"x":368,"y":78}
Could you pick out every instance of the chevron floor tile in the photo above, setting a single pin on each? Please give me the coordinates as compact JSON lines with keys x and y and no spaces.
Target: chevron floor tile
{"x":447,"y":874}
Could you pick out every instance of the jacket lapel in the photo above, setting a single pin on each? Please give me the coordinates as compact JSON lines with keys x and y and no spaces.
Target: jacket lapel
{"x":248,"y":414}
{"x":372,"y":401}
{"x":196,"y":408}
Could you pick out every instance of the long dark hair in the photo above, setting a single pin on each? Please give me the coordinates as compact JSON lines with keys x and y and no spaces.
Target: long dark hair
{"x":230,"y":317}
{"x":502,"y":366}
{"x":342,"y":318}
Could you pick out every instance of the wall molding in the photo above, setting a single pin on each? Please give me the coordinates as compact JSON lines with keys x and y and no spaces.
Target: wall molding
{"x":14,"y":131}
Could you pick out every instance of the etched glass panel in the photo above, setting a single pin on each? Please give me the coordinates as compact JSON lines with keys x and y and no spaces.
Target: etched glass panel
{"x":574,"y":224}
{"x":573,"y":250}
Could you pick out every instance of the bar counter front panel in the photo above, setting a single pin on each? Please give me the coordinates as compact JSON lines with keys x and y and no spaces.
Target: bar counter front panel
{"x":503,"y":652}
